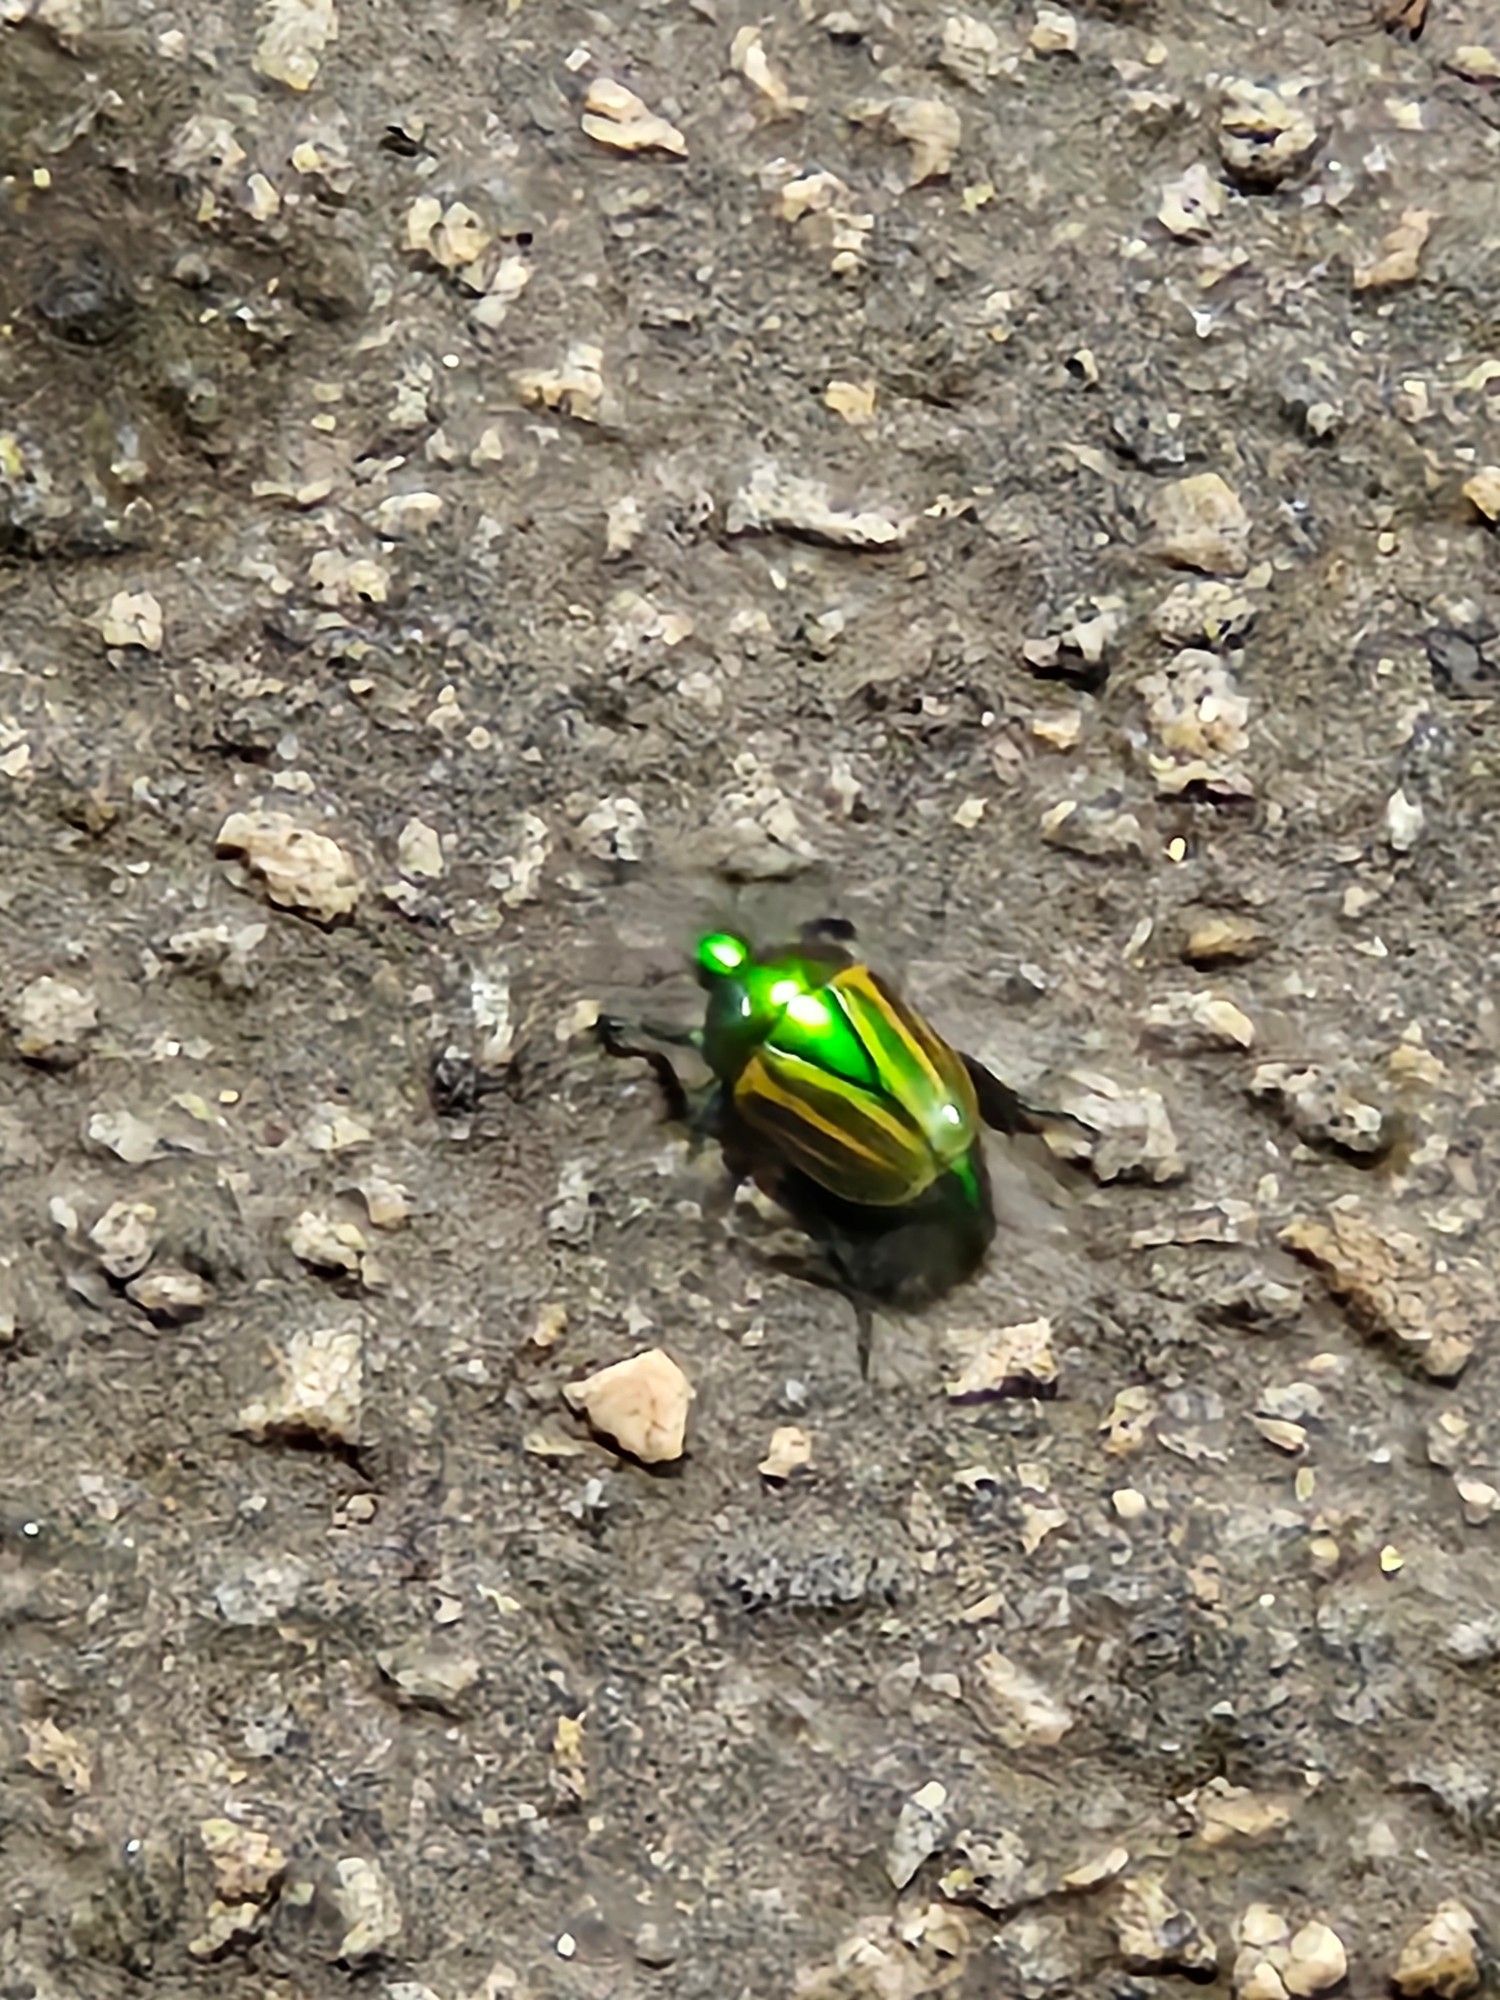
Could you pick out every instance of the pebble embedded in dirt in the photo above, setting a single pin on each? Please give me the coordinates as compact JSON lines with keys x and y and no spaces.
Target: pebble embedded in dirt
{"x":1482,"y":491}
{"x":1222,"y":937}
{"x":293,"y":37}
{"x":1232,"y":1815}
{"x":1400,"y":255}
{"x":921,"y":1829}
{"x":1127,"y":1135}
{"x":1188,"y":1021}
{"x":747,"y":55}
{"x":1326,"y":1108}
{"x":574,"y":389}
{"x":1198,"y":719}
{"x":790,"y":1451}
{"x":320,"y":1396}
{"x":1054,"y":32}
{"x":1200,"y":523}
{"x":775,"y":502}
{"x":1440,"y":1960}
{"x":1100,"y":826}
{"x":1155,"y":1934}
{"x":365,"y":1902}
{"x":616,"y":117}
{"x":1014,"y":1361}
{"x":169,"y":1296}
{"x":124,"y":1238}
{"x":53,"y":1021}
{"x":299,"y":868}
{"x":248,"y":1868}
{"x":60,"y":1754}
{"x":969,"y":50}
{"x":1384,"y":1277}
{"x":423,"y":1675}
{"x":641,"y":1404}
{"x":1017,"y":1706}
{"x":1265,"y":133}
{"x":327,"y":1245}
{"x":1192,"y":204}
{"x":929,"y":129}
{"x":1202,"y":610}
{"x":132,"y":618}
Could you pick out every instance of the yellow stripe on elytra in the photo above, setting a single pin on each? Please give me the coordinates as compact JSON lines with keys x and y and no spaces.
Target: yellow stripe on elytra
{"x":896,"y":1163}
{"x":873,"y":1019}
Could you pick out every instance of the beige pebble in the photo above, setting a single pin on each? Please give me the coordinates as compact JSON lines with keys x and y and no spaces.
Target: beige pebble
{"x":641,"y":1404}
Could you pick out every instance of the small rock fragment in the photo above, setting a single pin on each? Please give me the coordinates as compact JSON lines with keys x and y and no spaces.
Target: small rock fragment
{"x":1404,"y":820}
{"x":1221,"y":937}
{"x":1191,"y":205}
{"x":1199,"y":1020}
{"x":53,"y":1022}
{"x":300,"y":869}
{"x":124,"y":1237}
{"x":419,"y":848}
{"x":1440,"y":1960}
{"x":1017,"y":1706}
{"x":1125,"y":1135}
{"x":512,"y":276}
{"x":367,"y":1906}
{"x":1482,"y":491}
{"x":248,"y":1864}
{"x":790,"y":1450}
{"x":132,"y":618}
{"x":134,"y":1140}
{"x":1054,"y":32}
{"x":320,"y":1397}
{"x":327,"y":1245}
{"x":1479,"y":1500}
{"x":747,"y":54}
{"x":1198,"y":718}
{"x":1231,"y":1815}
{"x":1325,"y":1109}
{"x":1015,"y":1361}
{"x":616,"y":117}
{"x":969,"y":50}
{"x":994,"y":1871}
{"x":424,"y":1677}
{"x":1400,"y":253}
{"x":1202,"y":610}
{"x":930,"y":129}
{"x":170,"y":1297}
{"x":819,"y":207}
{"x":292,"y":40}
{"x":403,"y":514}
{"x":1128,"y":1424}
{"x":853,"y":401}
{"x":576,"y":389}
{"x":1099,"y":826}
{"x":1156,"y":1935}
{"x":57,"y":1753}
{"x":773,"y":501}
{"x":640,"y":1403}
{"x":1200,"y":523}
{"x":1315,"y":1961}
{"x":1265,"y":134}
{"x":1385,"y":1280}
{"x":1474,"y":63}
{"x":920,"y":1831}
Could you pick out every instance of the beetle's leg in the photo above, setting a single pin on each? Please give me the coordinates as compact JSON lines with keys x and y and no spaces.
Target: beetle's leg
{"x":1005,"y":1109}
{"x":615,"y":1038}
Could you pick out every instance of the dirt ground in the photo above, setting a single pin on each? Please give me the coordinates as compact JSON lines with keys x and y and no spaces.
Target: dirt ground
{"x":994,"y":474}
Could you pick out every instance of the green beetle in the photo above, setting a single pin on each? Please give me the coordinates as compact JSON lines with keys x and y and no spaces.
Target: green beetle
{"x":845,"y":1106}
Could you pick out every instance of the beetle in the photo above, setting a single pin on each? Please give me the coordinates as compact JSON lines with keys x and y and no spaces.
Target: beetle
{"x":846,"y":1106}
